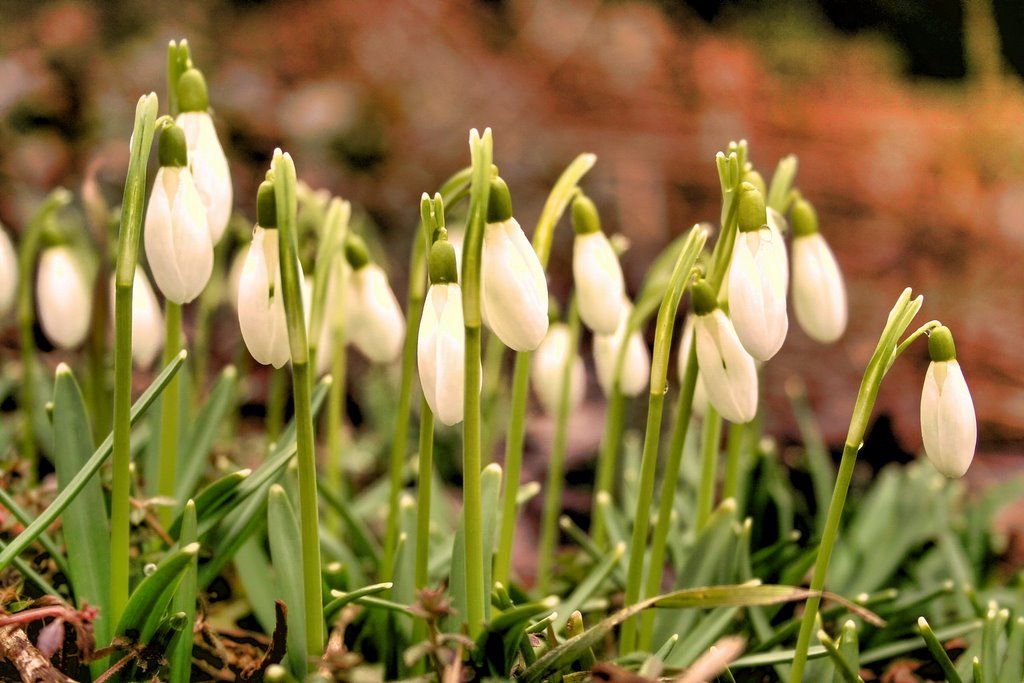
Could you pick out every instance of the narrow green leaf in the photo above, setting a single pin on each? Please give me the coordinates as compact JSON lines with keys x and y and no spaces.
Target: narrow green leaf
{"x":939,"y":653}
{"x":26,"y":519}
{"x":195,"y":457}
{"x":849,"y":645}
{"x":96,"y":460}
{"x":1013,"y":664}
{"x":286,"y":554}
{"x":257,"y":579}
{"x":588,"y":586}
{"x":184,"y":601}
{"x":342,"y":598}
{"x":86,"y":522}
{"x":211,"y":498}
{"x":843,"y":667}
{"x":361,"y":539}
{"x":149,"y":600}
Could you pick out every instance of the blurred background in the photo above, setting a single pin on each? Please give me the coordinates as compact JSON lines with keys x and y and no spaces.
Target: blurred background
{"x":906,"y":117}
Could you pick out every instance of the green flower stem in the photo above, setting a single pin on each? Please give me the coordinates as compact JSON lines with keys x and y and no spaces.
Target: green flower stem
{"x":336,"y":396}
{"x":169,"y":406}
{"x":729,"y":177}
{"x":614,"y":425}
{"x":423,"y":497}
{"x":28,"y":252}
{"x":179,"y":59}
{"x":558,"y":200}
{"x":291,"y":284}
{"x":670,"y":478}
{"x":649,"y":460}
{"x":450,"y":191}
{"x":899,"y":319}
{"x":276,"y":386}
{"x":736,"y":445}
{"x":481,"y":153}
{"x":556,"y":465}
{"x":124,"y":278}
{"x":711,"y":437}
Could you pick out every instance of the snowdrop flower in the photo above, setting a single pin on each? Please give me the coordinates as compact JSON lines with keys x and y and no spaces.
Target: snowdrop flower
{"x":261,"y":314}
{"x":205,"y":155}
{"x":375,"y":322}
{"x":700,"y":394}
{"x":176,"y":237}
{"x":819,"y":294}
{"x":147,"y":320}
{"x":64,"y":297}
{"x":636,"y":366}
{"x":514,"y":291}
{"x":8,"y":273}
{"x":757,"y":280}
{"x":441,"y":349}
{"x":730,"y":376}
{"x":948,"y":425}
{"x":547,"y":366}
{"x":600,"y":290}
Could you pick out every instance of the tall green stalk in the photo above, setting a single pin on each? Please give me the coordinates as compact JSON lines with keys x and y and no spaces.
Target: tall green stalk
{"x":885,"y":354}
{"x":711,"y":438}
{"x":481,"y":153}
{"x":124,"y":277}
{"x":614,"y":425}
{"x":734,"y":452}
{"x":424,"y":490}
{"x":291,"y":283}
{"x":649,"y":460}
{"x":169,"y":407}
{"x":556,"y":465}
{"x":450,"y":191}
{"x":558,"y":200}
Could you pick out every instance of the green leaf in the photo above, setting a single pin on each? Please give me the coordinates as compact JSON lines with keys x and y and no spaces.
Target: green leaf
{"x":184,"y":601}
{"x":342,"y":598}
{"x":561,"y":658}
{"x":212,"y":498}
{"x":45,"y":540}
{"x":91,"y":467}
{"x":844,"y":669}
{"x":588,"y":586}
{"x":86,"y":523}
{"x":149,"y":600}
{"x":196,"y":454}
{"x":256,"y":576}
{"x":286,"y":555}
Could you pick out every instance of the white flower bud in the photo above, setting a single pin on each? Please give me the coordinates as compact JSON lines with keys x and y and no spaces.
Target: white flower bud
{"x":514,"y":292}
{"x":375,"y":323}
{"x":147,"y":320}
{"x":261,"y":314}
{"x":209,"y":168}
{"x":8,"y":273}
{"x":757,"y":293}
{"x":700,"y":394}
{"x":949,"y":428}
{"x":177,"y":239}
{"x":441,"y":352}
{"x":547,"y":366}
{"x":636,"y":367}
{"x":730,"y":376}
{"x":63,"y":297}
{"x":819,"y":294}
{"x":600,"y":290}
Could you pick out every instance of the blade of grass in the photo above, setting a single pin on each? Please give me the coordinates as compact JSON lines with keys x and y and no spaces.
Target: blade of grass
{"x":286,"y":554}
{"x":148,"y":602}
{"x":184,"y":601}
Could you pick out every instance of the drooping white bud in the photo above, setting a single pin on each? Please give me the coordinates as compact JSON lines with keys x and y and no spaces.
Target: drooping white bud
{"x":176,"y":237}
{"x":600,"y":289}
{"x":261,"y":315}
{"x":819,"y":293}
{"x":730,"y":376}
{"x":8,"y":273}
{"x":375,"y":323}
{"x":514,"y":291}
{"x":63,"y":297}
{"x":949,"y":427}
{"x":147,"y":320}
{"x":700,"y":394}
{"x":205,"y":155}
{"x":547,"y":366}
{"x":441,"y":352}
{"x":636,"y":366}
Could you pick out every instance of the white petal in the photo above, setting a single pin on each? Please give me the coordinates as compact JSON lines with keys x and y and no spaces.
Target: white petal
{"x":700,"y":394}
{"x":636,"y":368}
{"x":210,"y":167}
{"x":730,"y":376}
{"x":376,"y":326}
{"x":949,"y":428}
{"x":546,"y":370}
{"x":450,"y":359}
{"x":261,"y":314}
{"x":819,"y":294}
{"x":63,"y":298}
{"x":176,"y":238}
{"x":778,"y":225}
{"x":514,"y":290}
{"x":8,"y":273}
{"x":757,"y":299}
{"x":600,"y":290}
{"x":147,"y":322}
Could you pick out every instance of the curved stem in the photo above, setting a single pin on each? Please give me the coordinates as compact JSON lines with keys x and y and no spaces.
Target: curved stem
{"x":556,"y":465}
{"x":124,"y":278}
{"x":169,"y":406}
